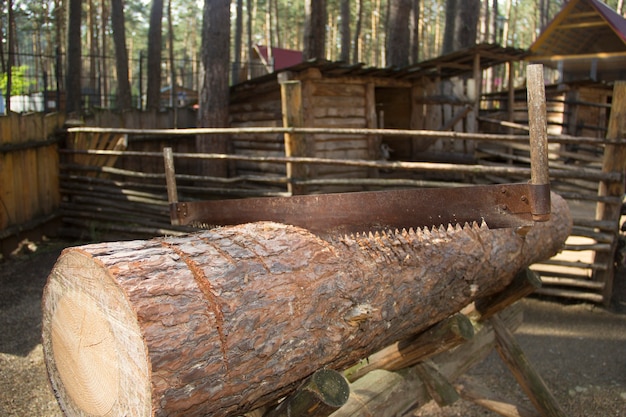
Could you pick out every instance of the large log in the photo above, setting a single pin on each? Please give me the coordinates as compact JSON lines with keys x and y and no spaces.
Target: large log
{"x":227,"y":320}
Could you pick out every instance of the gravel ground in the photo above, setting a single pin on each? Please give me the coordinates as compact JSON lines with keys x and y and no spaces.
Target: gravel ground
{"x":579,"y":349}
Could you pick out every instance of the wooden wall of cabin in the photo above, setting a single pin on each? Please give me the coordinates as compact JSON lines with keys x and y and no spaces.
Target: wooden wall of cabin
{"x":340,"y":103}
{"x":257,"y":105}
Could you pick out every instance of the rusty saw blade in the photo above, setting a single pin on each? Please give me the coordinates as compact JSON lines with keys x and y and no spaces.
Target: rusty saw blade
{"x":499,"y":206}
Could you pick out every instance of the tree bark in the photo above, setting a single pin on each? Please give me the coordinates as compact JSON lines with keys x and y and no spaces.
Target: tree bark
{"x":314,"y":29}
{"x":227,"y":320}
{"x":73,"y":72}
{"x":399,"y":34}
{"x":356,"y":55}
{"x":461,"y":24}
{"x":236,"y":71}
{"x":155,"y":39}
{"x":214,"y":93}
{"x":449,"y":27}
{"x":345,"y":31}
{"x":415,"y":31}
{"x":124,"y":101}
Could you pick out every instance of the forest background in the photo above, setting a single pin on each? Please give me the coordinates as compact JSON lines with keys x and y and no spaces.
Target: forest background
{"x":127,"y":52}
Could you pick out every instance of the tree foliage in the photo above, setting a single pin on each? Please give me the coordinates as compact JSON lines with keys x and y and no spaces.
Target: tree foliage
{"x":19,"y":82}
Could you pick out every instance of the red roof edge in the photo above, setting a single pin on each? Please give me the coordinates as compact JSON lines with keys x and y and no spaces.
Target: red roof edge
{"x":283,"y":58}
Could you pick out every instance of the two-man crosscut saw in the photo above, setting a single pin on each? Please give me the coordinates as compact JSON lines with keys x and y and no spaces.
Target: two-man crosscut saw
{"x":499,"y":206}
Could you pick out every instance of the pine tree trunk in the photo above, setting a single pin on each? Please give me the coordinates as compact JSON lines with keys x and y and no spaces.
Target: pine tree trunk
{"x":356,"y":56}
{"x":224,"y":321}
{"x":314,"y":29}
{"x":73,"y":72}
{"x":214,"y":93}
{"x":399,"y":35}
{"x":155,"y":36}
{"x":124,"y":101}
{"x":345,"y":31}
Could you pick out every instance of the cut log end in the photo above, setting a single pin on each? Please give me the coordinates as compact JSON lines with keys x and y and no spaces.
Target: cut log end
{"x":99,"y":360}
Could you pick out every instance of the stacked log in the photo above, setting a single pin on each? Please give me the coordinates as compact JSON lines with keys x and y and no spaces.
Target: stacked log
{"x":230,"y":319}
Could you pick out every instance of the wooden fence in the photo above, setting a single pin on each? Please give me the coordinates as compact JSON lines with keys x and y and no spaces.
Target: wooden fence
{"x":111,"y":202}
{"x":29,"y":190}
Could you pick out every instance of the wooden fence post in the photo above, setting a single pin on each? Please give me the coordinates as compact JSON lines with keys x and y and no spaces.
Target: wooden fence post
{"x":295,"y":143}
{"x":614,"y":161}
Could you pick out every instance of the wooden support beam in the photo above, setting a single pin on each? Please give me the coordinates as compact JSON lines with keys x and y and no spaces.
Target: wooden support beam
{"x":295,"y":143}
{"x":318,"y":396}
{"x":436,"y":384}
{"x":170,"y":177}
{"x":529,"y":380}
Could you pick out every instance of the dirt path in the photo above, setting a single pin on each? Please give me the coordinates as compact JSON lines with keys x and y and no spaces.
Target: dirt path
{"x":579,"y":349}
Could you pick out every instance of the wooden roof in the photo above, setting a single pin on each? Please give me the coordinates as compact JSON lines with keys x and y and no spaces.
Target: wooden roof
{"x":585,"y":33}
{"x":458,"y":63}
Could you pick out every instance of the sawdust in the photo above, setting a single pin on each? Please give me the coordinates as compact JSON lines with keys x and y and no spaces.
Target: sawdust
{"x":579,"y":349}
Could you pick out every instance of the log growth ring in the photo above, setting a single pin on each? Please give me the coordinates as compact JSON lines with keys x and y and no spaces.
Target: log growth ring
{"x":90,"y":330}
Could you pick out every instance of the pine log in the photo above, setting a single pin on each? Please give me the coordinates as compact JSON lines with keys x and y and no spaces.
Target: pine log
{"x":227,"y":320}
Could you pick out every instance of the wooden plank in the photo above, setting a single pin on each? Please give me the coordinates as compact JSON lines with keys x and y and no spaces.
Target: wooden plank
{"x":340,"y":112}
{"x":571,"y":294}
{"x":345,"y":122}
{"x":327,"y":101}
{"x":529,"y":380}
{"x":7,"y":190}
{"x":333,"y":88}
{"x":20,"y":187}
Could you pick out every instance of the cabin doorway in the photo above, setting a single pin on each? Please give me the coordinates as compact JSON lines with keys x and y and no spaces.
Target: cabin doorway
{"x":393,"y":111}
